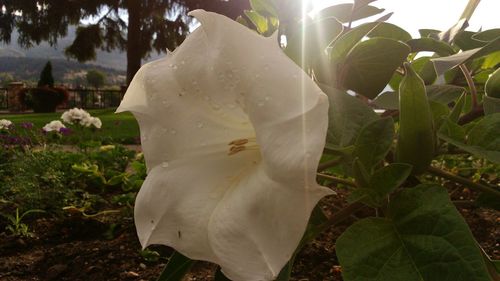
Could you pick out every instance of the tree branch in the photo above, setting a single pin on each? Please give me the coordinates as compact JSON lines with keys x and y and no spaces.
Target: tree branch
{"x":472,"y":115}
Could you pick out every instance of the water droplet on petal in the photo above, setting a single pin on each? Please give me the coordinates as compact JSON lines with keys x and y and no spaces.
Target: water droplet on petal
{"x":231,"y":105}
{"x":266,"y":67}
{"x":164,"y":165}
{"x":267,"y":98}
{"x":173,"y":132}
{"x":200,"y":125}
{"x":183,"y":62}
{"x":261,"y":103}
{"x":215,"y":106}
{"x":207,"y":98}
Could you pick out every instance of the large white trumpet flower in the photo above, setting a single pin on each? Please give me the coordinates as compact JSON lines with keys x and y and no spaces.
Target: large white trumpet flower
{"x":232,"y":132}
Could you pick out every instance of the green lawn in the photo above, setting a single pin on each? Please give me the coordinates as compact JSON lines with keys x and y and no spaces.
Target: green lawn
{"x":120,"y":127}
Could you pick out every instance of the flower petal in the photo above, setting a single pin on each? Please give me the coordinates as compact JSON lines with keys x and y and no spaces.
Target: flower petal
{"x":245,"y":209}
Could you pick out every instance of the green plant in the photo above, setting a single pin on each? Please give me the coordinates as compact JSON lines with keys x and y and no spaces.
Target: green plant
{"x":16,"y":227}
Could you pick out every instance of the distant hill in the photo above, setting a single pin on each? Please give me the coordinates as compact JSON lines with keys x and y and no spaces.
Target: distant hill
{"x":64,"y":71}
{"x":26,"y":64}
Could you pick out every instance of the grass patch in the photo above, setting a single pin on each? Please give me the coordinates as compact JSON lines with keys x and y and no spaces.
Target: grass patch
{"x":120,"y":127}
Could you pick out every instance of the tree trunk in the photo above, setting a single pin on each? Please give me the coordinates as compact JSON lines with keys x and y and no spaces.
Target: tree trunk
{"x":133,"y":38}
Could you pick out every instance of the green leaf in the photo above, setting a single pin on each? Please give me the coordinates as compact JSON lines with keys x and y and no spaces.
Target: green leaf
{"x":482,"y":139}
{"x":444,"y":63}
{"x":491,"y":61}
{"x":457,"y":109}
{"x":486,"y":133}
{"x":439,"y":113}
{"x":387,"y":100}
{"x":423,"y":238}
{"x":444,"y":93}
{"x":347,"y":41}
{"x":388,"y":178}
{"x":487,"y":35}
{"x":491,"y":105}
{"x":370,"y":65}
{"x":425,"y":69}
{"x":465,"y":41}
{"x":452,"y":130}
{"x":416,"y":134}
{"x":389,"y":30}
{"x":430,"y":45}
{"x":259,"y":21}
{"x":374,"y":142}
{"x":347,"y":116}
{"x":177,"y":267}
{"x":316,"y":36}
{"x":361,"y":175}
{"x":264,"y":7}
{"x":492,"y":87}
{"x":342,"y":12}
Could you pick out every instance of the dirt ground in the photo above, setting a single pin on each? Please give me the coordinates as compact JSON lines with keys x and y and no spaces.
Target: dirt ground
{"x":75,"y":249}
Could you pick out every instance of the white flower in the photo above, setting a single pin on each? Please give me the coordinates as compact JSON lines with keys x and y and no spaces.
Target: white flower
{"x":54,"y":125}
{"x":232,"y":132}
{"x":5,"y":124}
{"x":91,"y":121}
{"x":75,"y":116}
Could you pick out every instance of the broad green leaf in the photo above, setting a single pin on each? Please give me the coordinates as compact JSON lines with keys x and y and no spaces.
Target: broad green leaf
{"x":416,"y":133}
{"x":430,"y":45}
{"x":491,"y":61}
{"x":383,"y":182}
{"x":264,"y":7}
{"x":389,"y":30}
{"x":457,"y":109}
{"x":423,"y":238}
{"x":487,"y":35}
{"x":347,"y":116}
{"x":387,"y":100}
{"x":439,"y":112}
{"x":390,"y":177}
{"x":345,"y":12}
{"x":346,"y":42}
{"x":439,"y":93}
{"x":425,"y":69}
{"x":452,"y":130}
{"x":465,"y":41}
{"x":259,"y":21}
{"x":370,"y":65}
{"x":444,"y":63}
{"x":482,"y":139}
{"x":491,"y":105}
{"x":492,"y":87}
{"x":374,"y":142}
{"x":361,"y":175}
{"x":444,"y":93}
{"x":177,"y":267}
{"x":316,"y":37}
{"x":486,"y":133}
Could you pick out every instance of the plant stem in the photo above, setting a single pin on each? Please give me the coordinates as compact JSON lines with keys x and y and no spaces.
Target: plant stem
{"x":452,"y":177}
{"x":336,"y":180}
{"x":470,"y":82}
{"x":472,"y":115}
{"x":329,"y":164}
{"x":342,"y":215}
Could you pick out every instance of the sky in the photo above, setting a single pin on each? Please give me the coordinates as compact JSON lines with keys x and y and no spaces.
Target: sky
{"x":412,"y":15}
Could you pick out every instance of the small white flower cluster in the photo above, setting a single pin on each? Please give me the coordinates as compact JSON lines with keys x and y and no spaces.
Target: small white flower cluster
{"x":81,"y":117}
{"x":53,"y":126}
{"x":5,"y":124}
